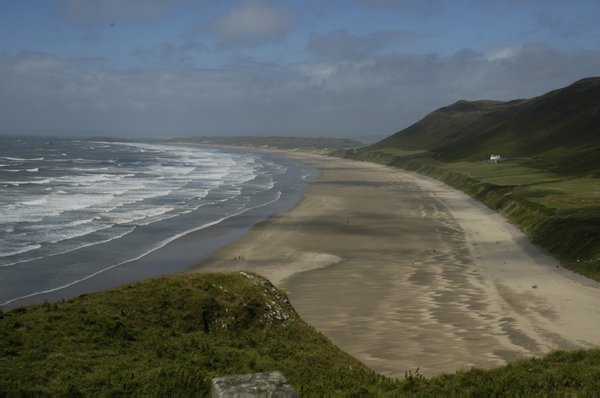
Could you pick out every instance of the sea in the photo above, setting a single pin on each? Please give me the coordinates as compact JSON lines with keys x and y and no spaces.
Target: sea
{"x":72,"y":210}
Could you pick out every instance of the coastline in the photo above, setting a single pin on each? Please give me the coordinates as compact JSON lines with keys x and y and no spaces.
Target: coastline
{"x":402,"y":271}
{"x":397,"y":269}
{"x":179,"y":254}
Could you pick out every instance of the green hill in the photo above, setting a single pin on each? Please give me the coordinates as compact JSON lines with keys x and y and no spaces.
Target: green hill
{"x":550,"y":185}
{"x":172,"y":335}
{"x":561,"y":129}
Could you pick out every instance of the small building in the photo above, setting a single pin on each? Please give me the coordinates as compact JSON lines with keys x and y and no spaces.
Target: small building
{"x":496,"y":159}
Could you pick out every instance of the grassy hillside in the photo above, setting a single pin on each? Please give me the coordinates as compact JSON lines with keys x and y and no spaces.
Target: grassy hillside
{"x":172,"y":335}
{"x":559,"y":130}
{"x":549,"y":188}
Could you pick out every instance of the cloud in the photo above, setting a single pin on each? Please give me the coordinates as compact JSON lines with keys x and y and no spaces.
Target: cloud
{"x":91,"y":12}
{"x":252,"y":25}
{"x":379,"y":94}
{"x":499,"y":52}
{"x":168,"y":54}
{"x":339,"y":44}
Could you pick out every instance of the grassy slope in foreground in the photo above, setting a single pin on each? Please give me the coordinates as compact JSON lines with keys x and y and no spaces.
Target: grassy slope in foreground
{"x":171,"y":335}
{"x":550,"y":188}
{"x":174,"y":334}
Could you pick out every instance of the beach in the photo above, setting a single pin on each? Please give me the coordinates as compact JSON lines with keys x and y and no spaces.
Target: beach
{"x":404,"y":272}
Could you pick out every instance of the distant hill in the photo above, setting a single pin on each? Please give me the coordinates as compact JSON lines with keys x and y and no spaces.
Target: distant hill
{"x":560,"y":129}
{"x":106,"y":139}
{"x":285,"y":143}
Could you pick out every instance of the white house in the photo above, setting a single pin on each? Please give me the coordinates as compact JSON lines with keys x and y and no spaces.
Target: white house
{"x":495,"y":158}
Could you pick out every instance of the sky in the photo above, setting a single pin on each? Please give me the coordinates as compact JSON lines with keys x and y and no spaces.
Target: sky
{"x":361,"y":69}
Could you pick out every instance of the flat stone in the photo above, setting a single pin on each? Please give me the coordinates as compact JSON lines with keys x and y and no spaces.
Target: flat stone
{"x":268,"y":384}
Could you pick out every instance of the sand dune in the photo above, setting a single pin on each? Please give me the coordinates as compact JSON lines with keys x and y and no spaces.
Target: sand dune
{"x":403,"y":272}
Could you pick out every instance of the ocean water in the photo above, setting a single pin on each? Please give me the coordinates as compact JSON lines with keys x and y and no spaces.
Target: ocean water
{"x":70,"y":210}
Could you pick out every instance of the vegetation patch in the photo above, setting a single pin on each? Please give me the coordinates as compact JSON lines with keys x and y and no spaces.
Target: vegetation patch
{"x":560,"y":372}
{"x":172,"y":335}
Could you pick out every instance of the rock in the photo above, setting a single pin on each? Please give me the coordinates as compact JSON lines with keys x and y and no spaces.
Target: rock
{"x":268,"y":384}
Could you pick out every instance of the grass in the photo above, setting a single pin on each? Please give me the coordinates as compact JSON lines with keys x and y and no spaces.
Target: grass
{"x":172,"y":335}
{"x":504,"y":174}
{"x":560,"y":372}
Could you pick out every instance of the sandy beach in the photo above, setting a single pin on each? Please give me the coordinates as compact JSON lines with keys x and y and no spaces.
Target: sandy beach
{"x":403,"y":272}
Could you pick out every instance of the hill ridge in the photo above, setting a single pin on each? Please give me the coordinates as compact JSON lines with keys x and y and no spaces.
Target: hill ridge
{"x":562,"y":124}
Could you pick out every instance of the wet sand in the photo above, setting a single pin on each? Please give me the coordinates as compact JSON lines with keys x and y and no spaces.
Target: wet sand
{"x":403,"y":272}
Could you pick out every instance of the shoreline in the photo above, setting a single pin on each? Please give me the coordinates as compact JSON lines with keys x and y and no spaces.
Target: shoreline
{"x":402,"y":271}
{"x":182,"y":253}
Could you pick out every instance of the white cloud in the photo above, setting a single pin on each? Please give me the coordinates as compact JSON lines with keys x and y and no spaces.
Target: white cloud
{"x":315,"y":72}
{"x":500,"y":52}
{"x":252,"y":25}
{"x":327,"y":97}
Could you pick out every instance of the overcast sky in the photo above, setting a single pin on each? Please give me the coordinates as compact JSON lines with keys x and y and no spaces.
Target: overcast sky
{"x":348,"y":68}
